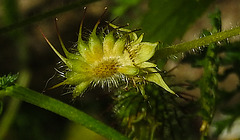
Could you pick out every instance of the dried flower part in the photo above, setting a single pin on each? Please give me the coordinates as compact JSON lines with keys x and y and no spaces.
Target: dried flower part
{"x":109,"y":59}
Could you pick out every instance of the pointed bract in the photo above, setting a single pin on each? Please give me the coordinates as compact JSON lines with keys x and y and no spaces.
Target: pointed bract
{"x":157,"y":79}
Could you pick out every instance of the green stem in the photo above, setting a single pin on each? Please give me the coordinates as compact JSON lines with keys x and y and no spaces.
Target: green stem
{"x":62,"y":109}
{"x":187,"y":46}
{"x":45,"y":15}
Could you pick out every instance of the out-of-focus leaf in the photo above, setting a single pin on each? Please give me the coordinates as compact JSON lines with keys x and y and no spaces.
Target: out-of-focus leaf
{"x":42,"y":16}
{"x":10,"y":9}
{"x":232,"y":114}
{"x":216,"y":21}
{"x":122,"y":6}
{"x":221,"y":125}
{"x":168,"y":19}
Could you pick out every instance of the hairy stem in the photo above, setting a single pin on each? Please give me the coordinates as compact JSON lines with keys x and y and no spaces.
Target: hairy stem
{"x":188,"y":46}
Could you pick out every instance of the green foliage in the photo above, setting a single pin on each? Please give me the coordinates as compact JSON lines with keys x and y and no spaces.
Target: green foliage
{"x":121,"y":6}
{"x":167,"y":20}
{"x":7,"y":80}
{"x":10,"y":11}
{"x":160,"y":115}
{"x":212,"y":97}
{"x":231,"y":112}
{"x":141,"y":116}
{"x":39,"y":17}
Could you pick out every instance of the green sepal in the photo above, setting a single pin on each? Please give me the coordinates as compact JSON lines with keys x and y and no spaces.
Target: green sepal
{"x":79,"y":89}
{"x":77,"y":65}
{"x":157,"y":79}
{"x":95,"y":45}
